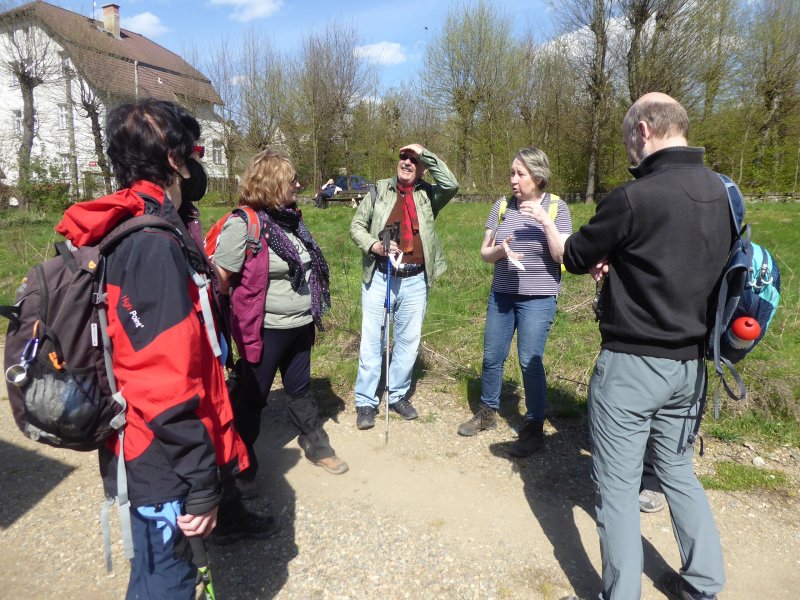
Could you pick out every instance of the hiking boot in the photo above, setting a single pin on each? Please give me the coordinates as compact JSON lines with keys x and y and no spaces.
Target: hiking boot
{"x":236,"y":522}
{"x":651,"y":501}
{"x":530,"y":441}
{"x":405,"y":409}
{"x":675,"y":588}
{"x":248,"y":488}
{"x":365,"y":417}
{"x":485,"y":418}
{"x":332,"y":464}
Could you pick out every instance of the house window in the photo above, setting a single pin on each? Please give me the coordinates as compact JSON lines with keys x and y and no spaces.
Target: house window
{"x":62,"y":116}
{"x":64,"y":165}
{"x":17,"y":121}
{"x":216,"y":152}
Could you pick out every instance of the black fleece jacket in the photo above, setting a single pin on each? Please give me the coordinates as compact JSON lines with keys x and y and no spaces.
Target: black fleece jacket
{"x":666,"y":235}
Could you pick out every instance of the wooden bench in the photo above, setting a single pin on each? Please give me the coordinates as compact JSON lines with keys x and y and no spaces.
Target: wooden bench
{"x":353,"y":198}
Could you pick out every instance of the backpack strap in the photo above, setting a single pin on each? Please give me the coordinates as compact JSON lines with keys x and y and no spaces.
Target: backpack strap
{"x":501,"y":214}
{"x":722,"y":315}
{"x":254,"y":229}
{"x":735,"y":202}
{"x":118,"y":423}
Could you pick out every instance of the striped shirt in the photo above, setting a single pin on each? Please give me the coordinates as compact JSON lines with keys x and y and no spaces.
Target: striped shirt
{"x":542,"y":274}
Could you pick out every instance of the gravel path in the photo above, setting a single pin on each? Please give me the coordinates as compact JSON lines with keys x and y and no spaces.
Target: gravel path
{"x":431,"y":515}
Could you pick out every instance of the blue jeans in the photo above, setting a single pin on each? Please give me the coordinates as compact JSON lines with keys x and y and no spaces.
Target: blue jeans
{"x":409,"y":297}
{"x":531,"y":317}
{"x":156,"y":573}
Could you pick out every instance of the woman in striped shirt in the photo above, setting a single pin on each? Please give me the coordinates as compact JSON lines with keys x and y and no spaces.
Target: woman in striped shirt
{"x":524,"y":239}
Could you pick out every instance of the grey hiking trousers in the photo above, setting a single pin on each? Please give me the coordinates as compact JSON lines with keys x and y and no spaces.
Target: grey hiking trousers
{"x":636,"y":401}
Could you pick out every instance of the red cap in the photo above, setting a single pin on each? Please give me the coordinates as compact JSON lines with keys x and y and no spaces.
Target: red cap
{"x":746,"y":328}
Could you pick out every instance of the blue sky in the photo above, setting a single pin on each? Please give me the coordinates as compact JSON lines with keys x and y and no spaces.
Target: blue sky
{"x":392,"y":34}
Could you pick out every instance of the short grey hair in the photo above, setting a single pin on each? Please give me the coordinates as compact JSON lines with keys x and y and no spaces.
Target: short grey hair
{"x":537,"y":164}
{"x":663,"y":118}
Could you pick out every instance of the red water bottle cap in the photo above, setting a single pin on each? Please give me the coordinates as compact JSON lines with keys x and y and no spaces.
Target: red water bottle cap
{"x":746,"y":328}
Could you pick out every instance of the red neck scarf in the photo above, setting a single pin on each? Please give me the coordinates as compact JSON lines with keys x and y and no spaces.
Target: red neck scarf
{"x":410,"y":224}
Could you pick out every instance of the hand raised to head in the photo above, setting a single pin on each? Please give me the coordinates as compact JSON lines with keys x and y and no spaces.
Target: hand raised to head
{"x":416,"y":149}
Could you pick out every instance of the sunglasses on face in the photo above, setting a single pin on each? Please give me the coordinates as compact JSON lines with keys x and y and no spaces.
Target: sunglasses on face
{"x":409,"y":157}
{"x":200,"y":150}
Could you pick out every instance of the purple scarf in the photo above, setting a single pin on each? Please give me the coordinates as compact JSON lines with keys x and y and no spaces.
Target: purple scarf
{"x":291,"y":219}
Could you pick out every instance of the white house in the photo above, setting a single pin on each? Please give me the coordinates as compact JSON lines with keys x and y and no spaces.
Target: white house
{"x":79,"y":66}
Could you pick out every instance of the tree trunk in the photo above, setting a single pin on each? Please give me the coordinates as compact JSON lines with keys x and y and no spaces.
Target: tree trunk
{"x":97,"y":137}
{"x":594,"y":144}
{"x":25,"y":147}
{"x":74,"y":191}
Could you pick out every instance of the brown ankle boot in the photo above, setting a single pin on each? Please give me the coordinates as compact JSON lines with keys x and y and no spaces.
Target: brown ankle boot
{"x":485,"y":418}
{"x":530,"y":441}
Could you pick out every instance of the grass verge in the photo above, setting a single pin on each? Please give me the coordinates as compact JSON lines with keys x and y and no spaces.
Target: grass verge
{"x":452,"y":337}
{"x":733,"y":477}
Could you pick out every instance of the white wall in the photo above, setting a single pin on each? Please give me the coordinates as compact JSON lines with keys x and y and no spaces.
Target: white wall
{"x":51,"y":140}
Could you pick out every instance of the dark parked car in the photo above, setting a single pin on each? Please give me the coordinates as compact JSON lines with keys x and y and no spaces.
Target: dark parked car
{"x":352,"y":183}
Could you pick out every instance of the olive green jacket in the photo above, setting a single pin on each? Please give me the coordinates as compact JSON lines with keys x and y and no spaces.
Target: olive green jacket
{"x":370,"y":218}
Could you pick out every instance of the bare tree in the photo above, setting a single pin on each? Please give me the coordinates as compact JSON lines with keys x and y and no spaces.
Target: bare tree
{"x":591,"y":20}
{"x":28,"y":55}
{"x":469,"y":70}
{"x":548,"y":103}
{"x":715,"y":48}
{"x":222,"y":65}
{"x":661,"y":46}
{"x":329,"y":79}
{"x":92,"y":106}
{"x":775,"y":45}
{"x":262,"y":89}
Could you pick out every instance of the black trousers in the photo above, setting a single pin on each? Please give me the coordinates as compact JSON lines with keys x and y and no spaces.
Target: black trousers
{"x":290,"y":351}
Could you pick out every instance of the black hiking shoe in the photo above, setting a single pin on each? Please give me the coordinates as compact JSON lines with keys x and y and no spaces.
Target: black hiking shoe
{"x":530,"y":441}
{"x":675,"y":588}
{"x":405,"y":409}
{"x":365,"y":417}
{"x":485,"y":418}
{"x":236,"y":522}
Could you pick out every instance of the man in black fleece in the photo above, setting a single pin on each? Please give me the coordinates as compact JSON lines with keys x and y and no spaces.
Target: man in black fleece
{"x":661,"y":241}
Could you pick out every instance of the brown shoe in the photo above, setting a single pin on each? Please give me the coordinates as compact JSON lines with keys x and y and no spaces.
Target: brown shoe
{"x":530,"y":440}
{"x":485,"y":418}
{"x":332,"y":464}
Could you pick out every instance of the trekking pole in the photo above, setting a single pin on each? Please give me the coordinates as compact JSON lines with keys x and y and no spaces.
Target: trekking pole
{"x":387,"y":320}
{"x":200,"y":559}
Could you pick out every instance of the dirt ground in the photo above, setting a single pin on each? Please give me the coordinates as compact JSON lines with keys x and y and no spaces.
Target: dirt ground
{"x":430,"y":515}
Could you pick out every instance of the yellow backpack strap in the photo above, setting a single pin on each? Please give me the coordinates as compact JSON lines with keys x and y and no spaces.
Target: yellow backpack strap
{"x":552,"y":209}
{"x":501,"y":211}
{"x":552,"y":212}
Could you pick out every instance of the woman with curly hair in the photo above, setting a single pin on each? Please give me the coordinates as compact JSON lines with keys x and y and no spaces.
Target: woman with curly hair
{"x":278,"y":296}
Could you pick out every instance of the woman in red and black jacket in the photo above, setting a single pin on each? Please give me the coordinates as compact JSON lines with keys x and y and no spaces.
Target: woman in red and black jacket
{"x":179,"y":434}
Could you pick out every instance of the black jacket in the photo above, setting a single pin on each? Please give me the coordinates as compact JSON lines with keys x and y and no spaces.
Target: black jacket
{"x":666,"y":234}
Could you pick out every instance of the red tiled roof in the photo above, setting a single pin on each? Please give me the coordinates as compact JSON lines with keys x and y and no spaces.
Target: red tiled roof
{"x":110,"y":64}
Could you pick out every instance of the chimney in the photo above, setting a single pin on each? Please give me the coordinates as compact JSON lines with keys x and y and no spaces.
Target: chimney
{"x":111,"y":19}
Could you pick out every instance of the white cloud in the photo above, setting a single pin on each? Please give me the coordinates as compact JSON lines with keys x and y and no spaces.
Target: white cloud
{"x":247,"y":10}
{"x":146,"y":24}
{"x":383,"y":53}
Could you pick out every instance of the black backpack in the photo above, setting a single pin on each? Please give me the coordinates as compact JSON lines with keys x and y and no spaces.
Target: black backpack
{"x":58,"y":354}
